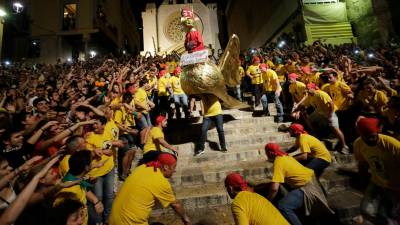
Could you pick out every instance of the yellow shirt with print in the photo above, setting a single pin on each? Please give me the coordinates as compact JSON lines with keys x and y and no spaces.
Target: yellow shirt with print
{"x":99,"y":141}
{"x":270,"y":78}
{"x":383,"y":160}
{"x":212,"y":106}
{"x":151,"y":145}
{"x":338,"y":92}
{"x":313,"y":146}
{"x":320,"y":100}
{"x":298,"y":90}
{"x":288,"y":170}
{"x":138,"y":194}
{"x":377,"y":101}
{"x":176,"y":85}
{"x":163,"y":82}
{"x":252,"y":208}
{"x":256,"y":74}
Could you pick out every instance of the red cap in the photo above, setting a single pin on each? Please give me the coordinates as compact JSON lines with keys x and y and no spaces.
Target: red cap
{"x":293,"y":76}
{"x":297,"y":128}
{"x":312,"y":86}
{"x":367,"y":126}
{"x":162,"y":159}
{"x":162,"y":73}
{"x":160,"y":119}
{"x":177,"y":70}
{"x":235,"y":180}
{"x":275,"y":149}
{"x":166,"y":159}
{"x":263,"y":66}
{"x":255,"y":59}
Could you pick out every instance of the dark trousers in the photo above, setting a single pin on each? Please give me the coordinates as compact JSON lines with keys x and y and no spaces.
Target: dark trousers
{"x":318,"y":165}
{"x":258,"y":92}
{"x":219,"y":121}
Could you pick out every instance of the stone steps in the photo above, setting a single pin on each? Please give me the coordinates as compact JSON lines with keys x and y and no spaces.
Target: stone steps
{"x":241,"y":141}
{"x":201,"y":175}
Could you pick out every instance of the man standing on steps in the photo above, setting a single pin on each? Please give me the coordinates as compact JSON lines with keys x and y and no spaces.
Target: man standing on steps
{"x":212,"y":112}
{"x":380,"y":155}
{"x":146,"y":184}
{"x":305,"y":190}
{"x":272,"y":89}
{"x":249,"y":207}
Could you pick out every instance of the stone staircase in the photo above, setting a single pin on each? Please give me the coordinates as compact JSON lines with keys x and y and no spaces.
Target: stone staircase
{"x":198,"y":181}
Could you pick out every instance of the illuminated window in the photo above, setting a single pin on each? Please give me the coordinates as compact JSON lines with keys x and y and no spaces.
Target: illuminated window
{"x":69,"y":17}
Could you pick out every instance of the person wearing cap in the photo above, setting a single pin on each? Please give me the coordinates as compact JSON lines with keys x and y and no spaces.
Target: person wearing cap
{"x":212,"y":113}
{"x":272,"y":89}
{"x":254,"y":72}
{"x":155,"y":142}
{"x":379,"y":155}
{"x":324,"y":111}
{"x":312,"y":150}
{"x":305,"y":190}
{"x":249,"y":207}
{"x":180,"y":98}
{"x":146,"y":184}
{"x":298,"y":91}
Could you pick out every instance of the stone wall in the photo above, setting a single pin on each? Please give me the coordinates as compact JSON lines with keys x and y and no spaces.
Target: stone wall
{"x":365,"y":23}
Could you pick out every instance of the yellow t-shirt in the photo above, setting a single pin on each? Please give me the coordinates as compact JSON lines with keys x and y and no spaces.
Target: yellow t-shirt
{"x":280,"y":70}
{"x":291,"y":68}
{"x":321,"y":102}
{"x":176,"y":85}
{"x":383,"y":160}
{"x":251,"y":208}
{"x":99,"y":141}
{"x":378,"y":101}
{"x":135,"y":200}
{"x":163,"y":82}
{"x":314,"y":147}
{"x":297,"y":90}
{"x":141,"y":98}
{"x":152,"y":81}
{"x":311,"y":78}
{"x":212,"y":106}
{"x":63,"y":167}
{"x":241,"y":72}
{"x":270,"y":78}
{"x":255,"y":71}
{"x":124,"y":118}
{"x":270,"y":64}
{"x":338,"y":93}
{"x":288,"y":170}
{"x":76,"y":192}
{"x":151,"y":145}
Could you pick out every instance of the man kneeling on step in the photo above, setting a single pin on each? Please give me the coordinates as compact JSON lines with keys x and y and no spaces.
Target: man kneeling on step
{"x":305,"y":190}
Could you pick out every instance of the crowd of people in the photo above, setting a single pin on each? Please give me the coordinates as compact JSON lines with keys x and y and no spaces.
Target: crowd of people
{"x":68,"y":130}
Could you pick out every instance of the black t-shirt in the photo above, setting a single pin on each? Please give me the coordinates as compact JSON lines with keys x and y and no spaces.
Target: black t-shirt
{"x":16,"y":156}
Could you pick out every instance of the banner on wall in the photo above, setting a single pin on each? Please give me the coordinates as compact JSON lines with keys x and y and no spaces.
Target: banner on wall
{"x":325,"y":13}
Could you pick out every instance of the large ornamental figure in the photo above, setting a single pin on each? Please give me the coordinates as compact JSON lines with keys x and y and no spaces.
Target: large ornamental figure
{"x":205,"y":77}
